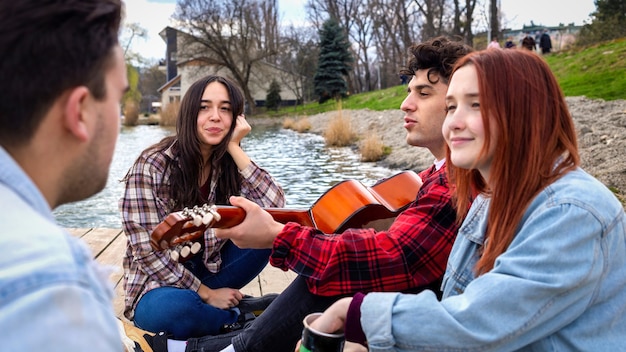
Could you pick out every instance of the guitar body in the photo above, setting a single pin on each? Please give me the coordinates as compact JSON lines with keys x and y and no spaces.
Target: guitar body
{"x":348,"y":204}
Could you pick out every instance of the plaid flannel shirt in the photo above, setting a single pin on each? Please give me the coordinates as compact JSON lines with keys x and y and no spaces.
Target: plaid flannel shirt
{"x":146,"y":203}
{"x":411,"y":255}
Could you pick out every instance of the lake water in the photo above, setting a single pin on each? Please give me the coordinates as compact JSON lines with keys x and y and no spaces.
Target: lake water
{"x":300,"y":162}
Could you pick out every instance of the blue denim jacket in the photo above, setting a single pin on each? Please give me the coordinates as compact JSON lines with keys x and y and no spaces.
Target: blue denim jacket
{"x":53,"y":296}
{"x":560,"y":286}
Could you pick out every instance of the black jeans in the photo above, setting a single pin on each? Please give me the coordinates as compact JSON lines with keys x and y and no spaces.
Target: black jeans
{"x":277,"y":329}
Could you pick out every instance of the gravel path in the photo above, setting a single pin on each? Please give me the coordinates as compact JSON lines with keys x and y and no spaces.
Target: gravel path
{"x":601,"y":127}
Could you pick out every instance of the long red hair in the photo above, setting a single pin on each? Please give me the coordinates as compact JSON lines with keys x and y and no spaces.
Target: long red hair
{"x":535,"y":136}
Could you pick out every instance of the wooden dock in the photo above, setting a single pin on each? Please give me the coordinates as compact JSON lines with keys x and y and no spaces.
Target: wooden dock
{"x":109,"y":245}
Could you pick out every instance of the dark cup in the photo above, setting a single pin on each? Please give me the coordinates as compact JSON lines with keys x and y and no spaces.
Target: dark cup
{"x":317,"y":341}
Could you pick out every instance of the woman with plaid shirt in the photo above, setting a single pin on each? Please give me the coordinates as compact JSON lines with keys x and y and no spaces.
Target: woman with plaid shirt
{"x":202,"y":163}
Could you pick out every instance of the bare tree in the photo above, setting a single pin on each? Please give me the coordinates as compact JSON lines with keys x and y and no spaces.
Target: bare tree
{"x":129,"y":33}
{"x":433,"y":12}
{"x":234,"y":35}
{"x":373,"y":28}
{"x":150,"y":80}
{"x":346,"y":12}
{"x":298,"y":56}
{"x":394,"y":31}
{"x":381,"y":31}
{"x":494,"y":20}
{"x":361,"y":35}
{"x":463,"y":19}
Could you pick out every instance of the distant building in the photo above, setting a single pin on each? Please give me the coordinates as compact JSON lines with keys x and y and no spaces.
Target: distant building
{"x":183,"y":69}
{"x":562,"y":36}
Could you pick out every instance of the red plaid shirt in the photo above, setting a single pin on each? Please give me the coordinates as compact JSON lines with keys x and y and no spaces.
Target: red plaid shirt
{"x":410,"y":256}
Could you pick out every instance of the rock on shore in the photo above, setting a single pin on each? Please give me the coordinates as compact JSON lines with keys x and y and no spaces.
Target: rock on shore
{"x":601,"y":127}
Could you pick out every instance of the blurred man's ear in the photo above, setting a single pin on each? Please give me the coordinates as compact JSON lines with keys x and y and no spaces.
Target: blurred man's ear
{"x":75,"y":111}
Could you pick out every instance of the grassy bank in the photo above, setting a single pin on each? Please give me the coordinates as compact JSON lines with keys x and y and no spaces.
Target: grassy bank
{"x":597,"y":72}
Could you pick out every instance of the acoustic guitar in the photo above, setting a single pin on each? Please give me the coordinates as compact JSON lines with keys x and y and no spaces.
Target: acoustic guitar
{"x":348,"y":204}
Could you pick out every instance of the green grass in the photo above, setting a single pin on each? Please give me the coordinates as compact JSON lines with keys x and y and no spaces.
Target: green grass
{"x":378,"y":100}
{"x":597,"y":72}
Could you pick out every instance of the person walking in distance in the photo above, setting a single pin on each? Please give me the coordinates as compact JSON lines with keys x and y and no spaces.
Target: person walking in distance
{"x":545,"y":43}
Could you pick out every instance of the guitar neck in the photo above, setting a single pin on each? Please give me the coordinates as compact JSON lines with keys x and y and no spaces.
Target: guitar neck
{"x":232,"y":216}
{"x":348,"y":204}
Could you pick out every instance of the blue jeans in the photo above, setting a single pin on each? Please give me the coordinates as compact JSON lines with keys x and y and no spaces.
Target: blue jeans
{"x":278,"y":329}
{"x":182,"y":313}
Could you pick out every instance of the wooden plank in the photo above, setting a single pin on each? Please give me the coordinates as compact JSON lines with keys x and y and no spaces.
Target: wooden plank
{"x":118,"y":301}
{"x":78,"y":232}
{"x":113,"y":254}
{"x":98,"y":239}
{"x":108,"y":247}
{"x":253,"y":288}
{"x":274,"y":280}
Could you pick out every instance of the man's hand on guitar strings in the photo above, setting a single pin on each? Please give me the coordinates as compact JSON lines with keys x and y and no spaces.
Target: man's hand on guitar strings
{"x":258,"y":229}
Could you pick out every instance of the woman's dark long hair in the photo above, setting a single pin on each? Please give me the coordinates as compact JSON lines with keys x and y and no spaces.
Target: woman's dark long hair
{"x":183,"y":186}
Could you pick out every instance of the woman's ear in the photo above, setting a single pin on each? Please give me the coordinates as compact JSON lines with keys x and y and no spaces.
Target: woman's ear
{"x":76,"y":110}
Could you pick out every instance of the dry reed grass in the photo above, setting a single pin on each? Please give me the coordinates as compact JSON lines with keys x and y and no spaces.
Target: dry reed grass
{"x":169,"y":113}
{"x":372,"y":148}
{"x":131,"y":113}
{"x":289,"y":123}
{"x":339,"y":131}
{"x":301,"y":124}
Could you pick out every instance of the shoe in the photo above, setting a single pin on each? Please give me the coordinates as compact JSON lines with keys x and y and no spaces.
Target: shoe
{"x":256,"y":305}
{"x":157,"y":342}
{"x":244,"y":320}
{"x":140,"y":337}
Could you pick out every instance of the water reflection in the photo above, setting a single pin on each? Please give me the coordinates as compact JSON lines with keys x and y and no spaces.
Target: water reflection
{"x":300,"y":163}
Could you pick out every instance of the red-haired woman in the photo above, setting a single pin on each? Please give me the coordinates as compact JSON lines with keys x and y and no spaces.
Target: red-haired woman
{"x":538,"y":263}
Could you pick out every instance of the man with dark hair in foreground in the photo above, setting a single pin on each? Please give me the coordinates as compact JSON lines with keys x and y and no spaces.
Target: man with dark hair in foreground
{"x":64,"y":75}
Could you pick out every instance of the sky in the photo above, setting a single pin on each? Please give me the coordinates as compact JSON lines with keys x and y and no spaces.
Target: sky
{"x":154,"y":15}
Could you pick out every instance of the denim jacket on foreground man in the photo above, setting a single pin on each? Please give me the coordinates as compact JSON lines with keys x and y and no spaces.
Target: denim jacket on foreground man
{"x":560,"y":286}
{"x":53,"y":295}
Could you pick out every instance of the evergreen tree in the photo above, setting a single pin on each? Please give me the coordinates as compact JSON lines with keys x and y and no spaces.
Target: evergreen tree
{"x":609,"y":22}
{"x":273,"y":99}
{"x":334,"y":62}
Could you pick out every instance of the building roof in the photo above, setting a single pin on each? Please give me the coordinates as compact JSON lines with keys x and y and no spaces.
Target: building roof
{"x":169,"y":84}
